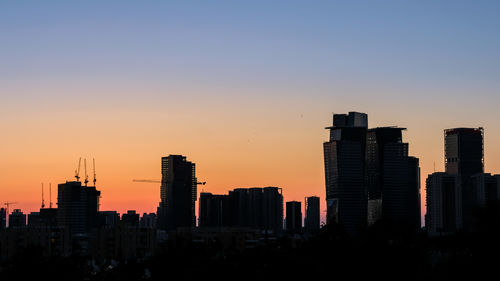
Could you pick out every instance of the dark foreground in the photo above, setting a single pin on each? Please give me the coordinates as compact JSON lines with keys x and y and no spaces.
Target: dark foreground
{"x":381,"y":253}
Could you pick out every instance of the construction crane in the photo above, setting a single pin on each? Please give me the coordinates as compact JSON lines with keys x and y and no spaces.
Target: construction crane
{"x":8,"y":206}
{"x":43,"y":201}
{"x":157,"y":181}
{"x":7,"y":214}
{"x":50,"y":195}
{"x":86,"y":175}
{"x":77,"y":172}
{"x":93,"y":159}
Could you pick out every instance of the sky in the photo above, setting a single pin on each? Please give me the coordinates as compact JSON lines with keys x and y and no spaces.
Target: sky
{"x":244,"y":89}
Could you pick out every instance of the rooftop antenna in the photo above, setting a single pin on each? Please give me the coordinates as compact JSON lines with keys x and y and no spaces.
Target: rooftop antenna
{"x":77,"y":172}
{"x":50,"y":195}
{"x":43,"y":201}
{"x":86,"y":176}
{"x":93,"y":159}
{"x":434,"y":166}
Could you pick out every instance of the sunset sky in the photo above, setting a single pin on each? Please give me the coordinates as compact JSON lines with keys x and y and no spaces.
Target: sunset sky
{"x":244,"y":89}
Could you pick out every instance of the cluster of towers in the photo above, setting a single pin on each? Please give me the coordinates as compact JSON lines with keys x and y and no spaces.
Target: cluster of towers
{"x":454,"y":196}
{"x":369,"y":175}
{"x":251,"y":208}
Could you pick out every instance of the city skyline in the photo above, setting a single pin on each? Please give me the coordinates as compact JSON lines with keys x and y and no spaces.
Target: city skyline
{"x":83,"y":176}
{"x":244,"y":90}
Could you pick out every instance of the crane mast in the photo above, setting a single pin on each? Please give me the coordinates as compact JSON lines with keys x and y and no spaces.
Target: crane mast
{"x":77,"y":172}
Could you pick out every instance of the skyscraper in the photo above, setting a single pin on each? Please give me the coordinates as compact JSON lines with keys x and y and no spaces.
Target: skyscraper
{"x":77,"y":207}
{"x":293,"y":217}
{"x":178,"y":193}
{"x":344,"y":158}
{"x":392,"y":178}
{"x":464,"y":156}
{"x":312,"y":218}
{"x":444,"y":204}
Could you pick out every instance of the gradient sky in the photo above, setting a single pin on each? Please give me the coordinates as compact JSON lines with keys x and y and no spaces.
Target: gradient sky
{"x":243,"y":88}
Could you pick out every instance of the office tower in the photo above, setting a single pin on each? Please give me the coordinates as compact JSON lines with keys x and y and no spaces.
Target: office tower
{"x":312,"y":219}
{"x":293,"y":217}
{"x":178,"y":193}
{"x":148,"y":220}
{"x":17,"y":219}
{"x":3,"y":218}
{"x":78,"y":207}
{"x":256,"y":208}
{"x":131,"y":218}
{"x":464,"y":157}
{"x":392,"y":178}
{"x":213,"y":210}
{"x":444,"y":208}
{"x":485,"y":188}
{"x":344,"y":157}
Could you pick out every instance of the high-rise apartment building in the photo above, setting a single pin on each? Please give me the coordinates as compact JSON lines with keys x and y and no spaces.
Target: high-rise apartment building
{"x":444,"y":203}
{"x":293,"y":217}
{"x":17,"y":219}
{"x":214,"y":210}
{"x":77,"y":207}
{"x":464,"y":156}
{"x":312,"y":218}
{"x":178,"y":193}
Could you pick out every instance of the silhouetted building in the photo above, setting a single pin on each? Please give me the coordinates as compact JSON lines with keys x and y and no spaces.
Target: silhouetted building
{"x":3,"y":218}
{"x":344,"y":157}
{"x":108,"y":219}
{"x":293,"y":217}
{"x":34,"y":219}
{"x":257,"y":208}
{"x":464,"y":156}
{"x":444,"y":208}
{"x":122,"y":242}
{"x":214,"y":210}
{"x":17,"y":219}
{"x":464,"y":151}
{"x":485,"y":189}
{"x":131,"y":218}
{"x":53,"y":242}
{"x":78,"y":207}
{"x":148,"y":220}
{"x":312,"y":218}
{"x":178,"y":193}
{"x":48,"y":217}
{"x":392,"y":178}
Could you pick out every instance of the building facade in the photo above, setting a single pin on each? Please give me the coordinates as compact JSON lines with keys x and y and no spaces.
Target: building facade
{"x":392,"y":178}
{"x":77,"y":207}
{"x":178,"y":193}
{"x":312,"y":218}
{"x":293,"y":217}
{"x":444,"y":204}
{"x":344,"y":159}
{"x":464,"y":156}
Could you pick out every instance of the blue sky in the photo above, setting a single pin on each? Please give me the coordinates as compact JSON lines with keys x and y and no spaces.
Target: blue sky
{"x":442,"y":44}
